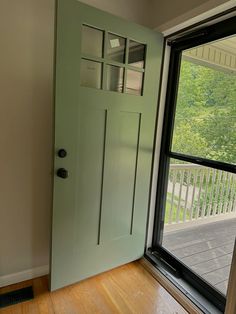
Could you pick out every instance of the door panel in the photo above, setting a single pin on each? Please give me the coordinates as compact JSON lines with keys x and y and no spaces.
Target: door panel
{"x":105,"y":119}
{"x":120,"y":175}
{"x":90,"y":170}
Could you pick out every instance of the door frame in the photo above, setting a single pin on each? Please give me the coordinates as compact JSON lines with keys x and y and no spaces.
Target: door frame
{"x":174,"y":47}
{"x":210,"y":17}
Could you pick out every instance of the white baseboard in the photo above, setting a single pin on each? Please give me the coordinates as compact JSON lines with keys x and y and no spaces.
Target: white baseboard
{"x":24,"y":275}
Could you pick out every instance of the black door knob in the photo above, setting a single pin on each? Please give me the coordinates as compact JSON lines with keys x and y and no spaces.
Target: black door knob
{"x":62,"y":153}
{"x":62,"y":173}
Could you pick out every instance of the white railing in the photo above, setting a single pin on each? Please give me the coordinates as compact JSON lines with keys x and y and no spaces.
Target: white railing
{"x":196,"y":192}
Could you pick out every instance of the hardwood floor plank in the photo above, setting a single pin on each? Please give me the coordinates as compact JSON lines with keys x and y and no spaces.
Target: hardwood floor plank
{"x":44,"y":302}
{"x":129,"y":289}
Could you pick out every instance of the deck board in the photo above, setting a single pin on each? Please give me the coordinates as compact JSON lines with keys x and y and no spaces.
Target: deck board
{"x":222,"y":286}
{"x":209,"y":254}
{"x":217,"y":276}
{"x":212,"y":264}
{"x":207,"y":249}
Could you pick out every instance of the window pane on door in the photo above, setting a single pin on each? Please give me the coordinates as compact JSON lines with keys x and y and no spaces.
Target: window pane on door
{"x":136,"y":54}
{"x":134,"y":82}
{"x":205,"y":121}
{"x":116,"y":48}
{"x":92,"y":41}
{"x":91,"y":73}
{"x":115,"y":78}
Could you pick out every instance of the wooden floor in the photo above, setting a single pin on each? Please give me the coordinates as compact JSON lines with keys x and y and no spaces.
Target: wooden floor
{"x":127,"y":289}
{"x":206,"y":249}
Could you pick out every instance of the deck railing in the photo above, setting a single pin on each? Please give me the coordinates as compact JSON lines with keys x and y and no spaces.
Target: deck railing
{"x":196,"y":192}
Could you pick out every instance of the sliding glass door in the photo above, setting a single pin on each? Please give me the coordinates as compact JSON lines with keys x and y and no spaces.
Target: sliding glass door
{"x":195,"y":223}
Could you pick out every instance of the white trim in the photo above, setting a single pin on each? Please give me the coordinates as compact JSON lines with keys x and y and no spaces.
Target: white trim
{"x":194,"y":16}
{"x":160,"y":120}
{"x":24,"y":275}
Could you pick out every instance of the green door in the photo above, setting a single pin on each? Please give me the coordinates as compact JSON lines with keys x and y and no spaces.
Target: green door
{"x":107,"y":80}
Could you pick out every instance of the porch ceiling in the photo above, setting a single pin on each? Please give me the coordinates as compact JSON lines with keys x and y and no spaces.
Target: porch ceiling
{"x":219,"y":54}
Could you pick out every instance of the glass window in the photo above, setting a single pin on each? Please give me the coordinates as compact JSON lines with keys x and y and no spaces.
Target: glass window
{"x":115,"y":78}
{"x":92,"y":70}
{"x":116,"y":48}
{"x":92,"y":41}
{"x":196,"y":194}
{"x":134,"y":82}
{"x":91,"y":73}
{"x":196,"y":197}
{"x":205,"y":120}
{"x":136,"y":54}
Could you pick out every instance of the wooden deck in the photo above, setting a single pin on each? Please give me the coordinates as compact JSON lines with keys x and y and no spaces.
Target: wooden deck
{"x":206,"y":249}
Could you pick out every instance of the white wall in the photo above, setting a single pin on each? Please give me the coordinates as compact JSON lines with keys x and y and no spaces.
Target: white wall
{"x":26,"y":111}
{"x":167,"y":13}
{"x":138,"y":11}
{"x":26,"y":120}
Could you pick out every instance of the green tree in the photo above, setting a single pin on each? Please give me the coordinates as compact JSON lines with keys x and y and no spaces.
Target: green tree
{"x":205,"y":123}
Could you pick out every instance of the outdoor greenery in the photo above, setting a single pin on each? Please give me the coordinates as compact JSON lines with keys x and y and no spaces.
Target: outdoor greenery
{"x":205,"y":122}
{"x":205,"y":126}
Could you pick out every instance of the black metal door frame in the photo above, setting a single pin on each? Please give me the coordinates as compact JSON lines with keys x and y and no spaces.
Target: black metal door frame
{"x":192,"y":39}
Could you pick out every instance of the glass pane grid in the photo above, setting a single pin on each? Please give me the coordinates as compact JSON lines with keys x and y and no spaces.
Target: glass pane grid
{"x":111,"y":62}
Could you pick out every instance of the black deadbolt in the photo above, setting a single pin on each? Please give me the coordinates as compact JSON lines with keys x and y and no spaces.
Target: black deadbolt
{"x":62,"y":153}
{"x":62,"y":173}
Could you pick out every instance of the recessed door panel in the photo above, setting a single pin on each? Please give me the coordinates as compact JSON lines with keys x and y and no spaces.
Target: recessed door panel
{"x":120,"y":175}
{"x":91,"y":148}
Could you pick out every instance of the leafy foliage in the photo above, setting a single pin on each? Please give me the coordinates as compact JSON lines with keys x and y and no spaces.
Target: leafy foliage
{"x":205,"y":122}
